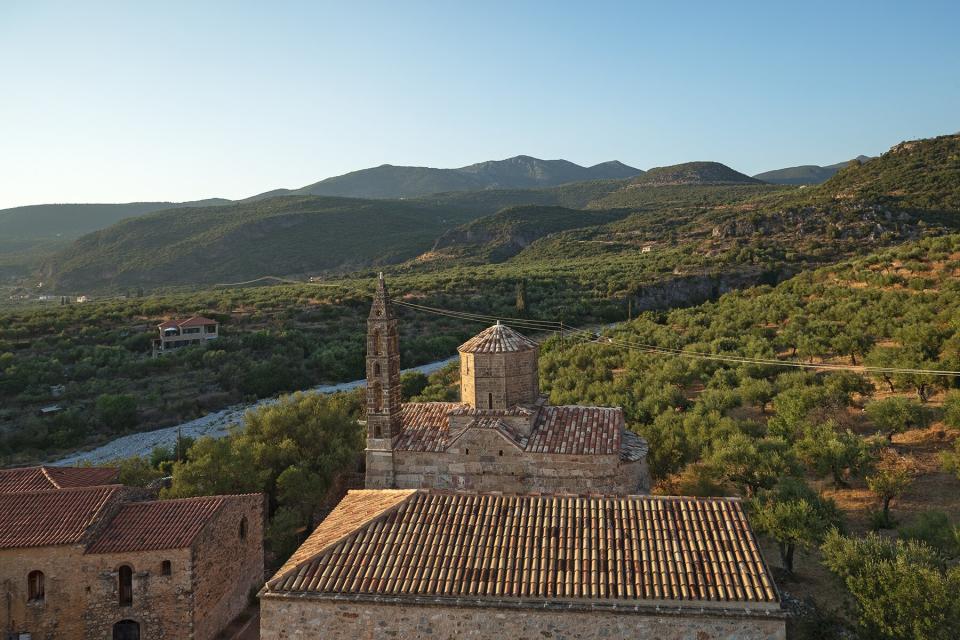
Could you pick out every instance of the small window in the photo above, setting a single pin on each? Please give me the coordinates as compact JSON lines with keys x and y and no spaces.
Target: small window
{"x":490,"y":401}
{"x":243,"y":528}
{"x":125,"y":585}
{"x":466,"y":451}
{"x":376,"y":368}
{"x":501,"y":452}
{"x":35,"y":586}
{"x":165,"y":568}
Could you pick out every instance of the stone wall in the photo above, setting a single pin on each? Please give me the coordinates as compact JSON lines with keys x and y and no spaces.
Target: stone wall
{"x":485,"y":460}
{"x":60,"y":614}
{"x":501,"y":379}
{"x":208,"y":585}
{"x":227,"y":568}
{"x":299,"y":619}
{"x":161,"y":604}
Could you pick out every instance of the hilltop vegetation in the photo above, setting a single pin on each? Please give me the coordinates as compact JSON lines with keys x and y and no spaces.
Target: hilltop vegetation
{"x":806,"y":174}
{"x":693,"y":173}
{"x":519,"y":172}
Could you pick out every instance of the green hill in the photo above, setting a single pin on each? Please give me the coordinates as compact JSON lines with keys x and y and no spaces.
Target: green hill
{"x":278,"y":236}
{"x":500,"y":236}
{"x":519,"y":172}
{"x":713,"y":173}
{"x":44,"y":225}
{"x":805,"y":174}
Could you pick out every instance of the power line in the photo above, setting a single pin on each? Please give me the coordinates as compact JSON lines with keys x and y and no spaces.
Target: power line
{"x":558,"y":326}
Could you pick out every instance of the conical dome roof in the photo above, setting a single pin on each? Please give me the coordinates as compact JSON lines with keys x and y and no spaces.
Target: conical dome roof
{"x":497,"y":339}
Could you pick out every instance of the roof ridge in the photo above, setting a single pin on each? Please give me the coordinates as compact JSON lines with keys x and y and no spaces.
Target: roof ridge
{"x":93,"y":487}
{"x":46,"y":474}
{"x":283,"y":574}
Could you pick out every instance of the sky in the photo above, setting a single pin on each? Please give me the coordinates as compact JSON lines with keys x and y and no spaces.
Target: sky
{"x":174,"y":101}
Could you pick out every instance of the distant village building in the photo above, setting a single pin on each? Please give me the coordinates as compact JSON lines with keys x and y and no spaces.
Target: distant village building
{"x":440,"y":564}
{"x":82,"y":558}
{"x":176,"y":334}
{"x":647,"y":249}
{"x":502,"y":435}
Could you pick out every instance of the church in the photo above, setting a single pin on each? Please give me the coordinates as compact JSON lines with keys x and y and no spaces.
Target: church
{"x":502,"y":435}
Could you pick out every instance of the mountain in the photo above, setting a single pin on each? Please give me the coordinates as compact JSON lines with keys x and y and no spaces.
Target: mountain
{"x":71,"y":220}
{"x":696,"y":214}
{"x":693,"y":173}
{"x":520,"y":172}
{"x":27,"y":233}
{"x":806,"y":174}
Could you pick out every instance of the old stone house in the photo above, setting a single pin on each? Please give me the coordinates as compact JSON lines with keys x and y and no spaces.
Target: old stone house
{"x":97,"y":561}
{"x":502,"y":435}
{"x":445,"y":564}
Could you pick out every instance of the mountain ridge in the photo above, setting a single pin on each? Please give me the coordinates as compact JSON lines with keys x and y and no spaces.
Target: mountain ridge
{"x":806,"y":174}
{"x":400,"y":181}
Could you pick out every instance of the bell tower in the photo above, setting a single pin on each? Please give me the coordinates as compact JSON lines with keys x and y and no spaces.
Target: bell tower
{"x":383,"y":389}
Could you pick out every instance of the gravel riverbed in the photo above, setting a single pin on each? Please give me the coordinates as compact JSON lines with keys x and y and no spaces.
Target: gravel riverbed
{"x":214,"y":424}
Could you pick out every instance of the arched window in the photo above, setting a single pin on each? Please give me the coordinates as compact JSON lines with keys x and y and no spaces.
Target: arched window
{"x":243,"y":528}
{"x":35,"y":586}
{"x":165,"y":568}
{"x":125,"y":585}
{"x":376,"y":390}
{"x":126,"y":630}
{"x":375,"y":336}
{"x":376,"y":369}
{"x":490,"y":401}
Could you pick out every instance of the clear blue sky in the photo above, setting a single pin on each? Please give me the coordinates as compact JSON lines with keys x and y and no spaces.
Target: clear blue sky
{"x":115,"y":102}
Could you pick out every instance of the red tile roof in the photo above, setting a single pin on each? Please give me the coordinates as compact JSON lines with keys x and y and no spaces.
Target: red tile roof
{"x":570,"y":430}
{"x":52,"y":517}
{"x":577,"y":430}
{"x":497,"y":339}
{"x":40,"y":478}
{"x":623,"y":549}
{"x":425,"y":426}
{"x":192,"y":321}
{"x":156,"y":525}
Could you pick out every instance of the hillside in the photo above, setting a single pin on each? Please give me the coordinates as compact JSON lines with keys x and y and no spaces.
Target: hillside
{"x":500,"y":236}
{"x":520,"y":172}
{"x":699,"y":173}
{"x":806,"y":174}
{"x":33,"y":227}
{"x":278,"y":236}
{"x":282,"y":236}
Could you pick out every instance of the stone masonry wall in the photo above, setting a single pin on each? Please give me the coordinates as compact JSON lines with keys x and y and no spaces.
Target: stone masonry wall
{"x":161,"y":604}
{"x":227,"y":568}
{"x":485,"y":460}
{"x":292,"y":619}
{"x":60,"y":614}
{"x":507,"y":379}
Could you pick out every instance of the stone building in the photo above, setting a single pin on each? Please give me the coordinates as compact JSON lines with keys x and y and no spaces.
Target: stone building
{"x":502,"y":435}
{"x":95,"y":561}
{"x":444,"y":564}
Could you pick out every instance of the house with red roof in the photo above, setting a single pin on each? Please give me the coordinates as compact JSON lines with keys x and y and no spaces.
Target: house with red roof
{"x":83,"y":557}
{"x":178,"y":333}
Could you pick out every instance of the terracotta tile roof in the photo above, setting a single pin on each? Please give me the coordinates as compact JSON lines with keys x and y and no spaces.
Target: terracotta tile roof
{"x":425,"y":426}
{"x":52,"y":517}
{"x":192,"y":321}
{"x":355,"y":510}
{"x":626,"y":549}
{"x":570,"y":430}
{"x":156,"y":525}
{"x":40,"y":478}
{"x":497,"y":339}
{"x":577,"y":430}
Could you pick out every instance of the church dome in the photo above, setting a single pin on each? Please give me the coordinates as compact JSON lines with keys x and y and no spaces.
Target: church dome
{"x":497,"y":339}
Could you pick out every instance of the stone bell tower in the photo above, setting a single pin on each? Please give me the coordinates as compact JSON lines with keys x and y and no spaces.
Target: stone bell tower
{"x":383,"y":389}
